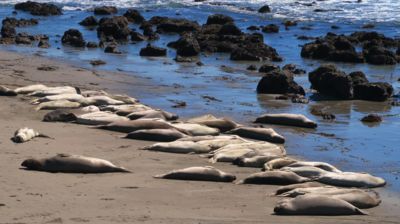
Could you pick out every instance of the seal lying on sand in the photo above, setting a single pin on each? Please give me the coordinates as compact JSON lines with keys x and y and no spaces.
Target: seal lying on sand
{"x":298,"y":120}
{"x":274,"y":177}
{"x":73,"y":97}
{"x":30,"y":88}
{"x":25,"y":134}
{"x":206,"y":173}
{"x":152,"y":114}
{"x":321,"y":165}
{"x":263,"y":134}
{"x":290,"y":187}
{"x":179,"y":147}
{"x":125,"y":109}
{"x":65,"y":163}
{"x":99,"y":118}
{"x":351,"y":179}
{"x":278,"y":163}
{"x":256,"y":161}
{"x":55,"y":91}
{"x":160,"y":135}
{"x":223,"y":124}
{"x":127,"y":126}
{"x":60,"y":116}
{"x":100,"y":101}
{"x":306,"y":171}
{"x":196,"y":129}
{"x":215,"y":142}
{"x":316,"y":205}
{"x":59,"y":104}
{"x":4,"y":91}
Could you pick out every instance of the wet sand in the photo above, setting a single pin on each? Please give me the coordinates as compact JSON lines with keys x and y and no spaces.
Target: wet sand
{"x":39,"y":197}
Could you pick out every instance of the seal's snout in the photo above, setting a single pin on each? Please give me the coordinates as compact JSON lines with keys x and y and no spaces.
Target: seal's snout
{"x":31,"y":164}
{"x":17,"y":139}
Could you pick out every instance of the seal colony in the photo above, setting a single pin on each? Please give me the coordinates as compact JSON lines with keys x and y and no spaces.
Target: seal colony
{"x":313,"y":187}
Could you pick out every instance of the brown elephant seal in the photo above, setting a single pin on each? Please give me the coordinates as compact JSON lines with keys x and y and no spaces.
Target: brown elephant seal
{"x":206,"y":173}
{"x":30,"y":88}
{"x":183,"y":147}
{"x":256,"y":161}
{"x":223,"y":124}
{"x":351,"y":179}
{"x":152,"y":114}
{"x":290,"y":187}
{"x":65,"y":163}
{"x":4,"y":91}
{"x":274,"y":178}
{"x":297,"y":120}
{"x":26,"y":134}
{"x":134,"y":125}
{"x":316,"y":205}
{"x":262,"y":134}
{"x":59,"y":116}
{"x":159,"y":135}
{"x":321,"y":165}
{"x":278,"y":163}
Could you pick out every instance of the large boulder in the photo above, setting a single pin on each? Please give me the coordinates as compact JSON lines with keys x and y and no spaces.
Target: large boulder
{"x":153,"y":51}
{"x":105,"y":10}
{"x":89,"y":21}
{"x":74,"y":38}
{"x":329,"y":81}
{"x":219,"y":19}
{"x":171,"y":25}
{"x":379,"y":56}
{"x":134,"y":16}
{"x":116,"y":27}
{"x":186,"y":46}
{"x":279,"y":82}
{"x":377,"y":91}
{"x":39,"y":9}
{"x":271,"y":28}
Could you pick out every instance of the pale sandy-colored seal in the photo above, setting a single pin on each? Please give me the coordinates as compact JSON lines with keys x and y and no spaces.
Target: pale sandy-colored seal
{"x":99,"y":118}
{"x":256,"y":161}
{"x":297,"y":120}
{"x":277,"y":177}
{"x":196,"y":129}
{"x":206,"y":173}
{"x":30,"y":88}
{"x":223,"y":124}
{"x":321,"y":165}
{"x":179,"y":147}
{"x":151,"y":114}
{"x":263,"y":134}
{"x":4,"y":91}
{"x":55,"y":91}
{"x":26,"y":134}
{"x":215,"y":142}
{"x":125,"y":109}
{"x":278,"y":163}
{"x":127,"y":126}
{"x":290,"y":187}
{"x":65,"y":163}
{"x":351,"y":179}
{"x":159,"y":135}
{"x":306,"y":171}
{"x":73,"y":97}
{"x":59,"y":104}
{"x":100,"y":101}
{"x":316,"y":205}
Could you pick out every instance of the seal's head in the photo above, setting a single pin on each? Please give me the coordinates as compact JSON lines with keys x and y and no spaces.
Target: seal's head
{"x":31,"y":164}
{"x":229,"y":177}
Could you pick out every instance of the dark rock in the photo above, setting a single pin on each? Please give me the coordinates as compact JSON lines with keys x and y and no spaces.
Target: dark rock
{"x":252,"y":68}
{"x":152,"y":51}
{"x":91,"y":44}
{"x":253,"y":28}
{"x":39,"y":9}
{"x":43,"y":44}
{"x":264,"y":9}
{"x":97,"y":62}
{"x":368,"y":26}
{"x":148,"y":32}
{"x":23,"y":38}
{"x":89,"y":21}
{"x":279,"y":82}
{"x":19,"y":22}
{"x":8,"y":31}
{"x":379,"y":56}
{"x":170,"y":25}
{"x":271,"y":28}
{"x":335,"y":27}
{"x":358,"y":78}
{"x":115,"y":27}
{"x":328,"y":80}
{"x":74,"y":38}
{"x":230,"y":29}
{"x":292,"y":68}
{"x":288,"y":23}
{"x":134,"y":16}
{"x":186,"y":46}
{"x":219,"y":19}
{"x":266,"y":68}
{"x":105,"y":10}
{"x":372,"y":118}
{"x":135,"y":36}
{"x":112,"y":49}
{"x":377,"y":91}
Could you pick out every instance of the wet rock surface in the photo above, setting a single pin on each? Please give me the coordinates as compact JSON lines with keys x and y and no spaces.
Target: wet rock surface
{"x":74,"y":38}
{"x":39,"y":9}
{"x":279,"y":82}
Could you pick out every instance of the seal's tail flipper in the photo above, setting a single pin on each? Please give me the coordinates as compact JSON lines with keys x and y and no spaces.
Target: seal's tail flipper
{"x":122,"y":170}
{"x":45,"y":136}
{"x":159,"y":176}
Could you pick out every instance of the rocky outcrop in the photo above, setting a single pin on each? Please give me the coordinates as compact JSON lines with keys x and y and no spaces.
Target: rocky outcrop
{"x":153,"y":51}
{"x":186,"y":46}
{"x":39,"y":9}
{"x":115,"y":27}
{"x":74,"y":38}
{"x":135,"y":36}
{"x":219,"y":19}
{"x":279,"y":82}
{"x":105,"y":10}
{"x":271,"y":28}
{"x":8,"y":31}
{"x":264,"y":9}
{"x":134,"y":16}
{"x":19,"y":22}
{"x":89,"y":21}
{"x":172,"y":25}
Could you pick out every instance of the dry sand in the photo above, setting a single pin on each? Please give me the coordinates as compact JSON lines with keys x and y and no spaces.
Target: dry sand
{"x":39,"y":197}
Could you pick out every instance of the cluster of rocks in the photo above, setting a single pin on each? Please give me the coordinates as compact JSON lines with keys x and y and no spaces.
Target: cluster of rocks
{"x":376,"y":48}
{"x":9,"y":33}
{"x":39,"y":9}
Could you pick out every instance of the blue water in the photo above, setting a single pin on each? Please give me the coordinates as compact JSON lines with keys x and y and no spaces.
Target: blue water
{"x":355,"y":147}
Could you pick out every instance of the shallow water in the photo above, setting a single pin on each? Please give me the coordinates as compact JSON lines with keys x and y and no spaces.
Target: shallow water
{"x":355,"y":146}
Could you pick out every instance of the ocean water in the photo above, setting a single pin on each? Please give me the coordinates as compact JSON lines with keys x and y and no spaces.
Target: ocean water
{"x":354,"y":147}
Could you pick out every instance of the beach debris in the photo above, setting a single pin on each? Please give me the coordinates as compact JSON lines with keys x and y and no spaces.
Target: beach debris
{"x":26,"y":134}
{"x":205,"y":173}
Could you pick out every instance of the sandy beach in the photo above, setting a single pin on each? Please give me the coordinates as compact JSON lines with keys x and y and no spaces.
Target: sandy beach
{"x":39,"y":197}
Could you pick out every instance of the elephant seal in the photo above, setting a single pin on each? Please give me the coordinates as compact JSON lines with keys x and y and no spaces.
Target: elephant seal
{"x":73,"y":97}
{"x":59,"y":116}
{"x":127,"y":126}
{"x":124,"y":98}
{"x":290,"y":187}
{"x":277,"y":177}
{"x":99,"y":118}
{"x":65,"y":163}
{"x":30,"y":88}
{"x":223,"y":124}
{"x":196,"y":129}
{"x":256,"y":161}
{"x":262,"y":134}
{"x":351,"y":179}
{"x":55,"y":91}
{"x":100,"y":101}
{"x":152,"y":114}
{"x":206,"y":173}
{"x":278,"y":163}
{"x":297,"y":120}
{"x":160,"y":135}
{"x":321,"y":165}
{"x":90,"y":109}
{"x":125,"y":109}
{"x":184,"y":147}
{"x":59,"y":104}
{"x":306,"y":171}
{"x":4,"y":91}
{"x":26,"y":134}
{"x":316,"y":205}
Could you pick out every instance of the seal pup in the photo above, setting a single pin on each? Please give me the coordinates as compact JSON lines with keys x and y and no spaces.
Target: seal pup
{"x":26,"y":134}
{"x":277,"y":177}
{"x":316,"y":205}
{"x":160,"y":135}
{"x":4,"y":91}
{"x":196,"y":129}
{"x":351,"y":179}
{"x":290,"y":187}
{"x":65,"y":163}
{"x":297,"y":120}
{"x":30,"y":88}
{"x":256,"y":161}
{"x":58,"y":104}
{"x":183,"y":147}
{"x":127,"y":126}
{"x":262,"y":134}
{"x":205,"y":173}
{"x":223,"y":124}
{"x":278,"y":163}
{"x":321,"y":165}
{"x":99,"y":118}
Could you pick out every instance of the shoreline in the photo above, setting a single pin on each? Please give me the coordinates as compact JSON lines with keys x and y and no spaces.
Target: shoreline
{"x":135,"y":197}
